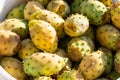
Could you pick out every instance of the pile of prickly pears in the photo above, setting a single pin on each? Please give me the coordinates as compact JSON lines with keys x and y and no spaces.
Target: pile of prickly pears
{"x":62,"y":40}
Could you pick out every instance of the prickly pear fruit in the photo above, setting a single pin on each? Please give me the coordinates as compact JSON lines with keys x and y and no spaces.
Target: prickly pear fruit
{"x":27,"y":48}
{"x":14,"y":67}
{"x":75,"y":6}
{"x":43,"y":35}
{"x":107,"y":35}
{"x":108,"y":3}
{"x":108,"y":53}
{"x":60,"y":7}
{"x":93,"y":65}
{"x":70,"y":75}
{"x":18,"y":26}
{"x":45,"y":64}
{"x":43,"y":78}
{"x":76,"y":25}
{"x":9,"y":43}
{"x":79,"y":47}
{"x":115,"y":14}
{"x":95,"y":11}
{"x":17,"y":12}
{"x":117,"y":61}
{"x":54,"y":19}
{"x":62,"y":53}
{"x":31,"y":7}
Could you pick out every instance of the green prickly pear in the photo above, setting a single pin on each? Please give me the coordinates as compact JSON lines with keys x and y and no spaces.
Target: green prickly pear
{"x":43,"y":35}
{"x":45,"y":64}
{"x":17,"y":12}
{"x":95,"y":11}
{"x":19,"y":26}
{"x":75,"y":6}
{"x":108,"y":53}
{"x":79,"y":47}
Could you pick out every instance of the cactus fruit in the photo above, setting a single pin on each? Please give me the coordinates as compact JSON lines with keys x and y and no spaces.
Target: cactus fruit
{"x":9,"y":43}
{"x":76,"y":25}
{"x":108,"y":53}
{"x":43,"y":78}
{"x":14,"y":67}
{"x":115,"y":14}
{"x":117,"y":61}
{"x":71,"y":75}
{"x":45,"y":64}
{"x":17,"y":12}
{"x":54,"y":19}
{"x":27,"y":48}
{"x":108,"y":3}
{"x":60,"y":7}
{"x":95,"y":11}
{"x":30,"y":8}
{"x":79,"y":47}
{"x":107,"y":35}
{"x":93,"y":65}
{"x":75,"y":6}
{"x":62,"y":53}
{"x":19,"y":26}
{"x":43,"y":35}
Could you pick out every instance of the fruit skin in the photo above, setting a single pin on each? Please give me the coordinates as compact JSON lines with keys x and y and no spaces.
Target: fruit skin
{"x":17,"y":12}
{"x":115,"y":16}
{"x":43,"y":64}
{"x":43,"y":78}
{"x":75,"y":6}
{"x":19,"y":26}
{"x":27,"y":48}
{"x":31,"y":7}
{"x":14,"y":67}
{"x":54,"y":19}
{"x":9,"y":43}
{"x":43,"y":35}
{"x":108,"y":53}
{"x":108,"y":3}
{"x":79,"y":47}
{"x":76,"y":25}
{"x":71,"y":75}
{"x":62,"y":53}
{"x":95,"y":11}
{"x":60,"y":7}
{"x":93,"y":65}
{"x":117,"y":61}
{"x":107,"y":35}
